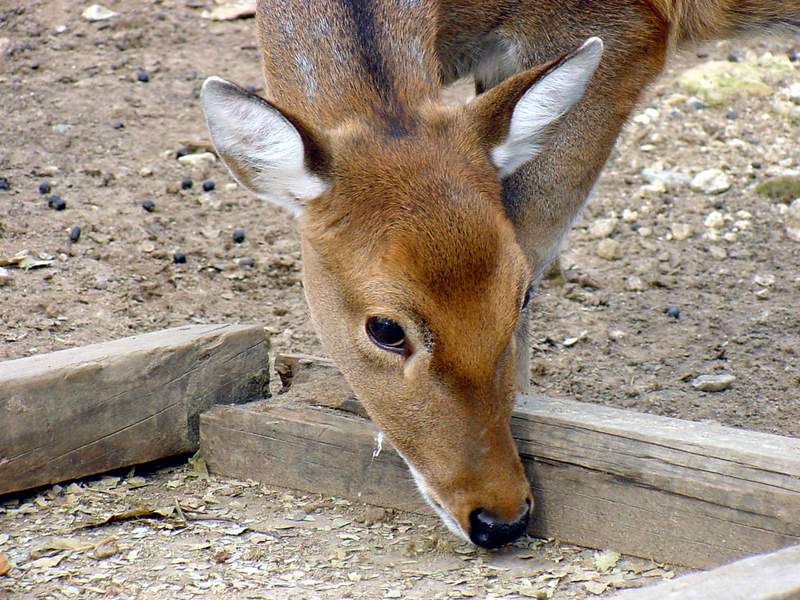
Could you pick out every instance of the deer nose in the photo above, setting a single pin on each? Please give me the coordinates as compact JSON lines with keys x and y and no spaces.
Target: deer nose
{"x":487,"y":531}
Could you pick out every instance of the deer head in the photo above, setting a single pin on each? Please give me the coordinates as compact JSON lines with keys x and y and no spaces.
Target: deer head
{"x":414,"y":275}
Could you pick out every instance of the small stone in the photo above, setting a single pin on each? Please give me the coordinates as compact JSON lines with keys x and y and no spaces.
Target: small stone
{"x":793,"y":221}
{"x":374,"y":514}
{"x":209,"y":185}
{"x":672,"y":180}
{"x":730,"y":236}
{"x":184,"y":151}
{"x":602,"y":228}
{"x":250,"y":88}
{"x":96,"y":12}
{"x":74,"y":234}
{"x":5,"y":185}
{"x":44,"y":187}
{"x":695,"y":103}
{"x":763,"y":294}
{"x":673,"y":311}
{"x":652,"y":190}
{"x":714,"y":220}
{"x":5,"y":279}
{"x":733,"y":57}
{"x":711,"y":181}
{"x":718,"y":252}
{"x":238,"y":235}
{"x":231,"y":186}
{"x":186,"y":183}
{"x":117,"y":124}
{"x":630,"y":216}
{"x":179,"y":257}
{"x":681,"y":231}
{"x":793,"y":55}
{"x":145,"y":172}
{"x":716,"y":382}
{"x":645,"y":231}
{"x":56,"y":202}
{"x":142,"y":76}
{"x":731,"y":115}
{"x":766,"y":280}
{"x":608,"y":249}
{"x":247,"y":262}
{"x":147,"y":247}
{"x":201,"y":159}
{"x":616,"y":334}
{"x":634,"y":283}
{"x":149,"y":204}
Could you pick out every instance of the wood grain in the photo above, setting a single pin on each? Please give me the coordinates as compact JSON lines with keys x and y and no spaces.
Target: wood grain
{"x":676,"y":491}
{"x":86,"y":410}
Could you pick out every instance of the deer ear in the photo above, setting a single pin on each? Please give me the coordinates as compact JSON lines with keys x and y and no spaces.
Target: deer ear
{"x":265,"y":149}
{"x":516,"y":117}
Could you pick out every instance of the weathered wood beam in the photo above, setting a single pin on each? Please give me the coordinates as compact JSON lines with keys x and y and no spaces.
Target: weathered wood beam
{"x":676,"y":491}
{"x":86,"y":410}
{"x":773,"y":576}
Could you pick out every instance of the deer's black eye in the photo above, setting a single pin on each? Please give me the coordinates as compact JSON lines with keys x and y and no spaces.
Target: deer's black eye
{"x":527,"y":299}
{"x":386,"y":334}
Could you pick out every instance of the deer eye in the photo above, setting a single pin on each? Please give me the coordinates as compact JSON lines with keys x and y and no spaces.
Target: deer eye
{"x":527,"y":299}
{"x":386,"y":334}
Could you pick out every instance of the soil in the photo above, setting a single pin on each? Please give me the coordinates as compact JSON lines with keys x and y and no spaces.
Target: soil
{"x":77,"y":116}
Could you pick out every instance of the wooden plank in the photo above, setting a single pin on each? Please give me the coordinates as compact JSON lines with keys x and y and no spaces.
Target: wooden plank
{"x":686,"y":493}
{"x":86,"y":410}
{"x":774,"y":576}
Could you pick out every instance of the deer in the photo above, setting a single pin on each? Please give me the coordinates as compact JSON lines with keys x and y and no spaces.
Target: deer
{"x":426,"y":227}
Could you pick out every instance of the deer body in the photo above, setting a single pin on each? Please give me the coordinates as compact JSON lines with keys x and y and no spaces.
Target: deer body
{"x":425,"y":227}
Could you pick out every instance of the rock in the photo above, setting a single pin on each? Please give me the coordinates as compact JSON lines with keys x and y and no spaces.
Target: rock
{"x":645,"y":231}
{"x":784,"y":188}
{"x":616,"y":334}
{"x":681,"y":231}
{"x":145,"y":172}
{"x":149,"y":204}
{"x":201,"y":159}
{"x":716,"y":81}
{"x":716,"y":382}
{"x":231,"y":11}
{"x":187,"y":183}
{"x":96,"y":12}
{"x":630,"y":216}
{"x":714,"y":220}
{"x":718,"y":252}
{"x":793,"y":221}
{"x":602,"y":228}
{"x":672,"y":180}
{"x":179,"y":257}
{"x":673,"y":311}
{"x":764,"y":280}
{"x":74,"y":234}
{"x":238,"y":235}
{"x":44,"y":187}
{"x":787,"y":109}
{"x":711,"y":181}
{"x":231,"y":186}
{"x":695,"y":103}
{"x":5,"y":277}
{"x":793,"y":92}
{"x":608,"y":249}
{"x":635,"y":284}
{"x":374,"y":514}
{"x":652,"y":190}
{"x":142,"y":76}
{"x":209,"y":185}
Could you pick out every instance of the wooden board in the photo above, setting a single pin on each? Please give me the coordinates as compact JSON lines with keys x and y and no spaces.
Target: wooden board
{"x":86,"y":410}
{"x":774,"y":576}
{"x":676,"y":491}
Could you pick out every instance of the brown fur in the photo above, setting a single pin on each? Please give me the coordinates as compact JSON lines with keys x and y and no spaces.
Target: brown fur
{"x":417,"y":227}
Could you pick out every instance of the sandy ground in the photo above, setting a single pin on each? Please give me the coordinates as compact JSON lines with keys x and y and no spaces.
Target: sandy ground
{"x":75,"y":115}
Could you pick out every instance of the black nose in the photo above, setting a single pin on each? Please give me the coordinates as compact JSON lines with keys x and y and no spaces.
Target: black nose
{"x":487,"y":531}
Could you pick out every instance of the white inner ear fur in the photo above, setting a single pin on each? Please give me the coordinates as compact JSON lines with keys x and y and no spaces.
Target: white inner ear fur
{"x":546,"y":100}
{"x":251,"y":137}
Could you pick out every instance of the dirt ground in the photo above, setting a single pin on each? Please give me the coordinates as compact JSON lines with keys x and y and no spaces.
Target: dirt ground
{"x":76,"y":115}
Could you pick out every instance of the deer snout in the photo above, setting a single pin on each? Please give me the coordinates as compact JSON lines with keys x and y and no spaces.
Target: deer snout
{"x":488,"y":531}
